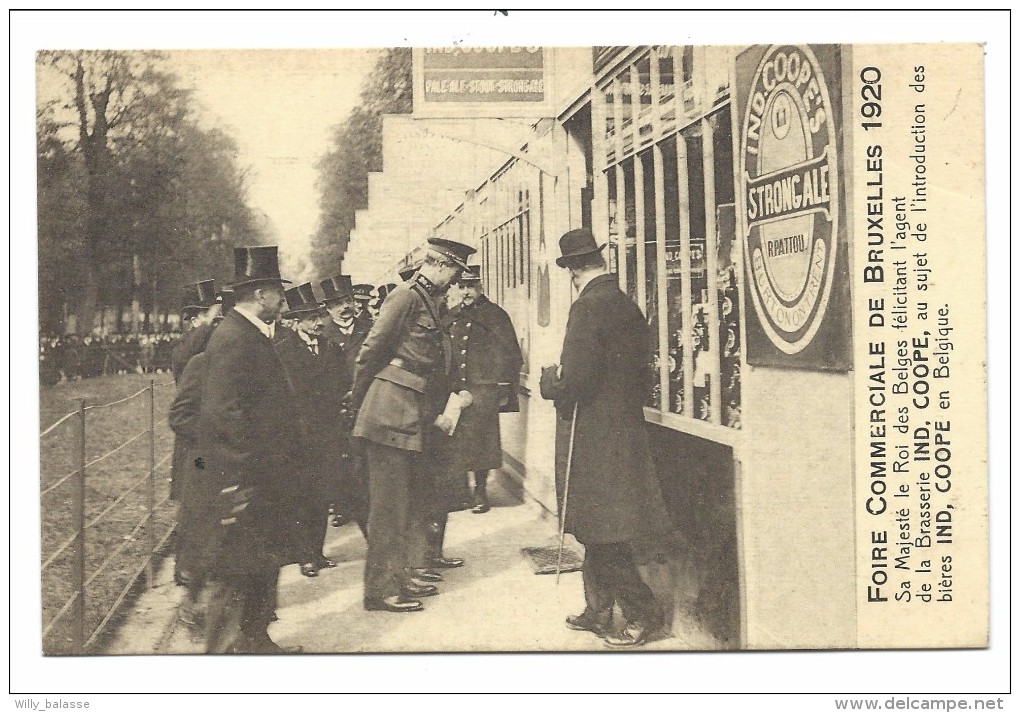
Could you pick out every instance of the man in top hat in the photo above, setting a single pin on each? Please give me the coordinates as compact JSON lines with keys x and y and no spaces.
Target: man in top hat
{"x":614,"y":496}
{"x":400,"y":387}
{"x":252,"y":446}
{"x":315,"y":369}
{"x":197,"y":316}
{"x":348,"y":334}
{"x":487,"y":362}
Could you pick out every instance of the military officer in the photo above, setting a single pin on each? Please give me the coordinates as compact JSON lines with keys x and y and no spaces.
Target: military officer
{"x":486,"y":362}
{"x":400,"y":387}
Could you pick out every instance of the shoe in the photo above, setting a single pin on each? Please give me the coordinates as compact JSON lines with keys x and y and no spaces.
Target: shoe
{"x":325,"y":563}
{"x":309,"y":569}
{"x":419,"y":589}
{"x":262,"y":644}
{"x":634,"y":634}
{"x":481,"y":504}
{"x":426,"y":575}
{"x":600,"y":626}
{"x":191,"y":616}
{"x":445,"y":562}
{"x":392,"y":604}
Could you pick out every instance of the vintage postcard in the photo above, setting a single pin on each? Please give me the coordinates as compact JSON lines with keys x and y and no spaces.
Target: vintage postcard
{"x":468,"y":347}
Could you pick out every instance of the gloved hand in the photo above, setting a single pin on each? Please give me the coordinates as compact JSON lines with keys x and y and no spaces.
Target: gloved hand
{"x":549,"y":380}
{"x":233,"y":503}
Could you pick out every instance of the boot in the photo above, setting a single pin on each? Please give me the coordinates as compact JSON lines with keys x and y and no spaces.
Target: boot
{"x":481,"y":504}
{"x":435,"y":534}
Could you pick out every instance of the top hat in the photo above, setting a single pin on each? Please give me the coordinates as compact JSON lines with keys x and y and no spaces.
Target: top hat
{"x":472,"y":275}
{"x":201,"y":295}
{"x":225,"y":297}
{"x":385,"y":290}
{"x":336,"y":288}
{"x":300,"y":301}
{"x":455,"y":252}
{"x":363,"y":292}
{"x":255,"y":265}
{"x":574,"y":243}
{"x":406,"y":273}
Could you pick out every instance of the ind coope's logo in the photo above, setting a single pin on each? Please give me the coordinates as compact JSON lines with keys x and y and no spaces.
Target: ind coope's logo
{"x":788,"y":166}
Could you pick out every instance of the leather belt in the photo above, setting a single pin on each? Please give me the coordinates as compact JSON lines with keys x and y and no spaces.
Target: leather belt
{"x":418,"y":369}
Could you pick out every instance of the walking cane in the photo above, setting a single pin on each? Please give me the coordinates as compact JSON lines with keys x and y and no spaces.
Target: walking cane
{"x":566,"y":492}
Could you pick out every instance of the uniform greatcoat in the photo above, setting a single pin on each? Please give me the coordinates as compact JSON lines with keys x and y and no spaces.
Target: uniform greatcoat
{"x":486,"y":362}
{"x":614,"y":491}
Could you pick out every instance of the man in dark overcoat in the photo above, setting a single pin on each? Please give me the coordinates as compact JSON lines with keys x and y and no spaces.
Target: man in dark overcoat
{"x":614,"y":495}
{"x":198,"y":316}
{"x":315,"y":369}
{"x":400,"y":387}
{"x":486,"y":362}
{"x":347,"y":333}
{"x":252,"y":445}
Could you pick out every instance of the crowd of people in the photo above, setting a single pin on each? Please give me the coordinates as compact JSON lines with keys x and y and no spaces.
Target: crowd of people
{"x":296,"y":411}
{"x":70,"y":357}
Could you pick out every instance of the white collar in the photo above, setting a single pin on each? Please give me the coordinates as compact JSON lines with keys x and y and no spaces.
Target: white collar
{"x":266,"y":329}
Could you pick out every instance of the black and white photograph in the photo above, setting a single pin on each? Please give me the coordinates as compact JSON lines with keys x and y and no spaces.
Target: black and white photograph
{"x":634,"y":350}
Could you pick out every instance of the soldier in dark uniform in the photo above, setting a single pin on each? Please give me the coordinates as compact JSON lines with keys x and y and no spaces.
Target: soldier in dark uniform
{"x":253,"y":448}
{"x":486,"y":362}
{"x":315,"y":369}
{"x":342,"y":329}
{"x":400,"y":387}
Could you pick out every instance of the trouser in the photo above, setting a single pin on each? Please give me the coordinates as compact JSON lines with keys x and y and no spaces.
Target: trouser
{"x":352,"y":496}
{"x":610,"y":576}
{"x":396,"y":520}
{"x":241,"y":607}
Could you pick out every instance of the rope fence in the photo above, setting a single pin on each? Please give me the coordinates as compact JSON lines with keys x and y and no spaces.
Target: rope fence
{"x":73,"y":609}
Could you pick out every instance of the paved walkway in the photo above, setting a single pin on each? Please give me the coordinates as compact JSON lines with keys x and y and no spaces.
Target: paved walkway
{"x":494,"y":603}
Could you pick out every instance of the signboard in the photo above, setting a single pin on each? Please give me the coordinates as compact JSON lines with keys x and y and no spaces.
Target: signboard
{"x":482,"y":82}
{"x":791,"y":217}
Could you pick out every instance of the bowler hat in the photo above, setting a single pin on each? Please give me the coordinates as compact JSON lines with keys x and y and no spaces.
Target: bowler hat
{"x":336,"y":288}
{"x":256,"y":264}
{"x":452,"y":250}
{"x":300,"y":301}
{"x":363,"y":292}
{"x":575,"y":243}
{"x":472,"y":275}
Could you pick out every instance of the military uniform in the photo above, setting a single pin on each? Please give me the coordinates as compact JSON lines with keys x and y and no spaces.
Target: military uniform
{"x":400,"y":386}
{"x":486,"y":362}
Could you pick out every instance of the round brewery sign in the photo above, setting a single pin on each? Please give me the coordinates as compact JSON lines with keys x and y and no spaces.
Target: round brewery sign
{"x":790,"y":181}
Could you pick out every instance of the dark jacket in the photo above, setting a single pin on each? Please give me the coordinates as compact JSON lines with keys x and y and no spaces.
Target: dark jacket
{"x":349,"y":344}
{"x":614,"y":491}
{"x":486,"y":362}
{"x":253,"y":446}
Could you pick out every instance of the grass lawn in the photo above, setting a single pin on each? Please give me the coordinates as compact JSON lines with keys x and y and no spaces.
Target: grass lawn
{"x":106,"y":428}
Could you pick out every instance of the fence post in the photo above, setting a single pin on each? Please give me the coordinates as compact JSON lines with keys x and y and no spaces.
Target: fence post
{"x":149,"y":573}
{"x":78,"y":567}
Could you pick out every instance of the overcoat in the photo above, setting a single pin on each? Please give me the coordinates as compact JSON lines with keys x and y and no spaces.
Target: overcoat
{"x":253,"y":446}
{"x":614,"y":491}
{"x":486,"y":362}
{"x":198,"y":519}
{"x":184,"y":350}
